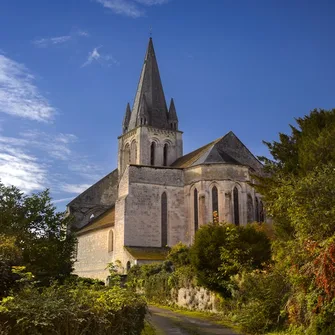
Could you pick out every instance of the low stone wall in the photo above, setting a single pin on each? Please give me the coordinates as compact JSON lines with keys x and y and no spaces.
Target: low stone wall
{"x":196,"y":298}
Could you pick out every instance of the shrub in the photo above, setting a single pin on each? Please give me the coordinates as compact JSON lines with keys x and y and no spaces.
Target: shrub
{"x":260,"y":300}
{"x":72,"y":310}
{"x":223,"y":250}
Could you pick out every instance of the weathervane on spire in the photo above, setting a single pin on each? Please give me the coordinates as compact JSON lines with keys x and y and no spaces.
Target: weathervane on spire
{"x":150,"y":32}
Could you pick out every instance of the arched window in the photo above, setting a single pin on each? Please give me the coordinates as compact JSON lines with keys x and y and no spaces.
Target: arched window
{"x":164,"y":219}
{"x":133,"y":152}
{"x":152,"y":153}
{"x":236,"y":207}
{"x":126,"y":159}
{"x":165,"y":154}
{"x":261,"y":211}
{"x":110,"y":241}
{"x":215,"y":203}
{"x":196,"y":214}
{"x":250,"y":208}
{"x":257,"y":210}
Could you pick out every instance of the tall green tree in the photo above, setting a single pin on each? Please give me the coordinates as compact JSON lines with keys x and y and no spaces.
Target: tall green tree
{"x":40,"y":234}
{"x":299,"y":193}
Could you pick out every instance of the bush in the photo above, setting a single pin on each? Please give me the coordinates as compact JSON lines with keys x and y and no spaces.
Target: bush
{"x":223,"y":250}
{"x":260,"y":300}
{"x":72,"y":310}
{"x":153,"y":279}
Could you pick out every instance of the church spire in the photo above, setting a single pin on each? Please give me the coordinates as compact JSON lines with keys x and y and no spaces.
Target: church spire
{"x":150,"y":93}
{"x":172,"y":117}
{"x":126,"y":119}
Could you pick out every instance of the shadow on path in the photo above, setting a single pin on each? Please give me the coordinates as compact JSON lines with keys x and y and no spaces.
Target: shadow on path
{"x":174,"y":323}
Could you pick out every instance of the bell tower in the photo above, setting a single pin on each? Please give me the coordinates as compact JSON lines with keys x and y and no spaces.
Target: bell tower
{"x":150,"y":130}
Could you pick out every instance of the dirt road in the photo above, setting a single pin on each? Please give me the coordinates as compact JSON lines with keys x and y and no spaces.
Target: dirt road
{"x":174,"y":323}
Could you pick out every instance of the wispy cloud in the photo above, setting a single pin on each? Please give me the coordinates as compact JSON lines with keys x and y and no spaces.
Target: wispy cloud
{"x":131,"y":8}
{"x":22,"y":170}
{"x":27,"y":162}
{"x":75,"y":188}
{"x":96,"y":56}
{"x":48,"y":41}
{"x":18,"y":94}
{"x":59,"y":201}
{"x":152,"y":2}
{"x":57,"y":146}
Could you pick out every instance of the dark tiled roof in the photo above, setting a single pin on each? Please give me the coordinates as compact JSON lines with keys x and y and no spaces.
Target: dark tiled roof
{"x":225,"y":150}
{"x":188,"y":160}
{"x":100,"y":221}
{"x":99,"y":186}
{"x":150,"y":100}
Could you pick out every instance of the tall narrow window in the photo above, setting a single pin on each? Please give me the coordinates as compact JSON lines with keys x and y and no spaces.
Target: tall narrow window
{"x":257,"y":210}
{"x":250,"y":208}
{"x":128,"y":266}
{"x":215,"y":203}
{"x":133,"y":153}
{"x":152,"y":153}
{"x":110,"y":241}
{"x":165,"y":154}
{"x":196,"y":214}
{"x":164,"y":219}
{"x":126,"y":155}
{"x":236,"y":207}
{"x":261,"y":211}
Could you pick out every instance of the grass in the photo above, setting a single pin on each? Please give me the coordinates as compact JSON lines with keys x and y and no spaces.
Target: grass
{"x":149,"y":329}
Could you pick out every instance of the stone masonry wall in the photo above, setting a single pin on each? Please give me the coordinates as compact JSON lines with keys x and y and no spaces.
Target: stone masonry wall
{"x":143,"y":206}
{"x":196,"y":298}
{"x":93,"y":255}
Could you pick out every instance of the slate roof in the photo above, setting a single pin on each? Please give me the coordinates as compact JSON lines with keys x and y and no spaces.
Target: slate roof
{"x":225,"y":150}
{"x":150,"y":100}
{"x":100,"y":221}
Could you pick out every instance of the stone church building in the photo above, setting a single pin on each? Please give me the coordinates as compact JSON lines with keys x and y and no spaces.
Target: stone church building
{"x":157,"y":196}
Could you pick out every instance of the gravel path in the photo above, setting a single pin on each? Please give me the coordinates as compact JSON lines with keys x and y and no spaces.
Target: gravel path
{"x":173,"y":323}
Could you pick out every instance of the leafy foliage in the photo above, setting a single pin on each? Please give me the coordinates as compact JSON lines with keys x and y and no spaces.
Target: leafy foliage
{"x":37,"y":233}
{"x":299,"y":193}
{"x":223,"y":250}
{"x":72,"y":310}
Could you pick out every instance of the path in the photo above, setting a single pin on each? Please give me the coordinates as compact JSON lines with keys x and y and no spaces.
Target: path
{"x":173,"y":323}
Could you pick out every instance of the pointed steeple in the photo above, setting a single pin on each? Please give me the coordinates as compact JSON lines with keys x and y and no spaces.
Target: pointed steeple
{"x":143,"y":115}
{"x":150,"y":87}
{"x":126,"y":119}
{"x":172,"y":117}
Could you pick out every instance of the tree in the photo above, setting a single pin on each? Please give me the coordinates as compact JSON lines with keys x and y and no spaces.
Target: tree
{"x":299,"y":193}
{"x":39,"y":233}
{"x":222,"y":250}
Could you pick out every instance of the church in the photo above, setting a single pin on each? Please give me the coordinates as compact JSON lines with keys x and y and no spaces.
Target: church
{"x":157,"y":197}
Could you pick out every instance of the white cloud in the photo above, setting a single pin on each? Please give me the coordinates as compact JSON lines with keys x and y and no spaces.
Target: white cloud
{"x":29,"y":171}
{"x":22,"y":170}
{"x":131,"y":8}
{"x":57,"y":146}
{"x":96,"y":56}
{"x":58,"y":201}
{"x":47,"y":41}
{"x":18,"y":94}
{"x":44,"y":42}
{"x":28,"y":161}
{"x":152,"y":2}
{"x":74,"y":188}
{"x":93,"y":55}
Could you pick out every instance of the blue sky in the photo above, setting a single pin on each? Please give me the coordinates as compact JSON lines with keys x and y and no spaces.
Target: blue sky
{"x":69,"y":67}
